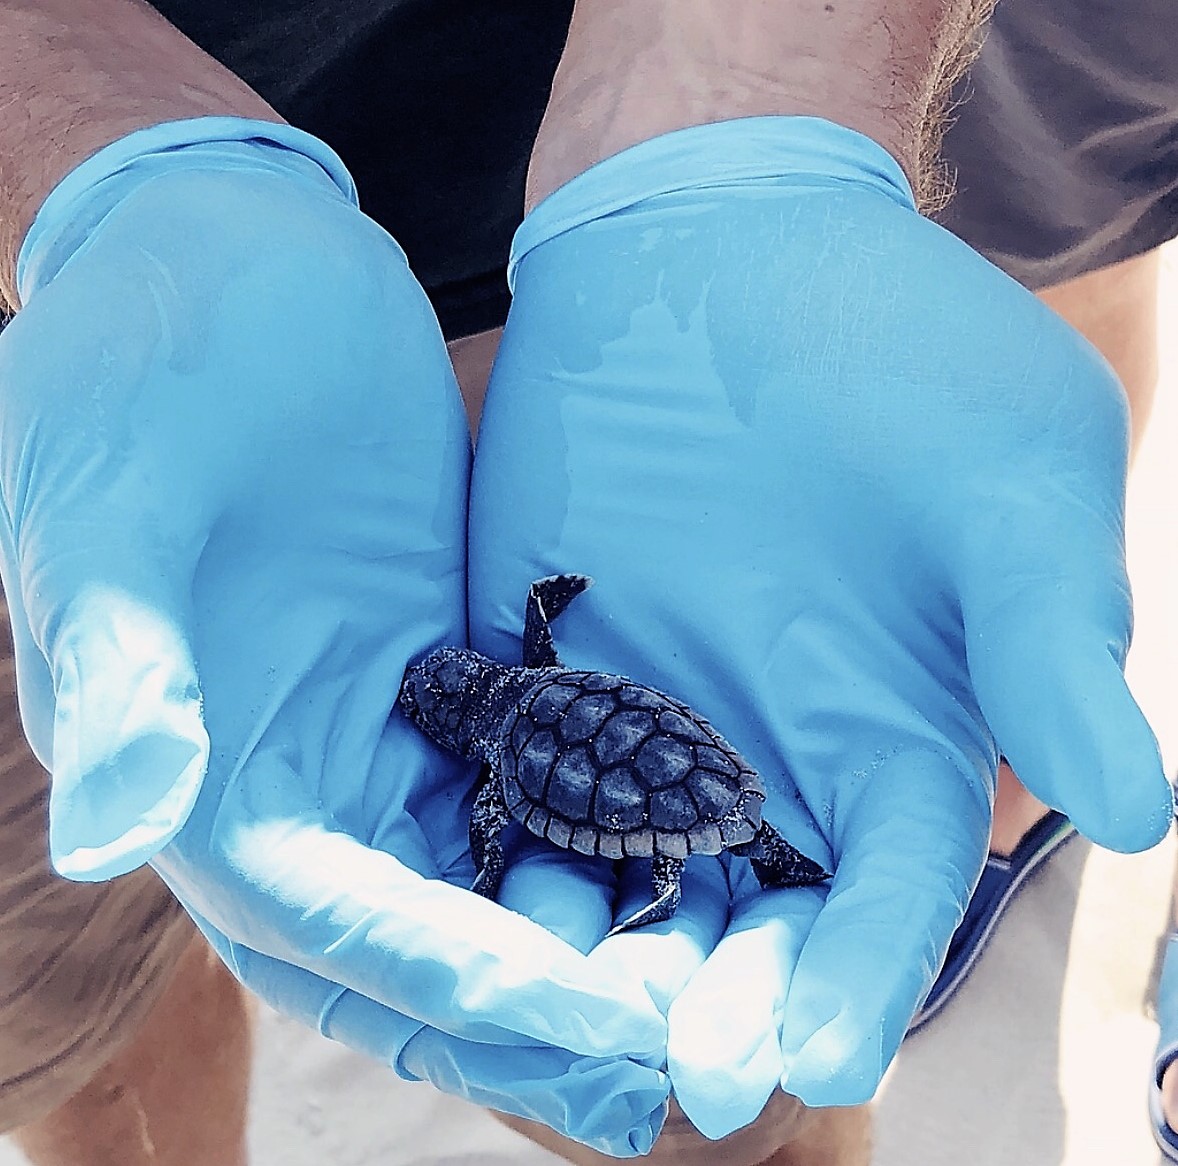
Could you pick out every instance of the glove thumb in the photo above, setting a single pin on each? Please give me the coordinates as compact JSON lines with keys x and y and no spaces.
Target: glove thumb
{"x":1047,"y":646}
{"x":129,"y":746}
{"x":108,"y":686}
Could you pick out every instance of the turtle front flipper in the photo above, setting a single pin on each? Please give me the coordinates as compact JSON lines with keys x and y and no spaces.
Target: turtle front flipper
{"x":778,"y":864}
{"x":547,"y":598}
{"x":665,"y":874}
{"x":488,"y":817}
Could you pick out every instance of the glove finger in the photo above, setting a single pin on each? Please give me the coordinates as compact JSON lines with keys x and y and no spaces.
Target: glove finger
{"x":723,"y":1049}
{"x":910,"y":849}
{"x":580,"y":899}
{"x":664,"y":956}
{"x":1046,"y":646}
{"x":362,"y":919}
{"x":574,"y":897}
{"x":613,"y":1105}
{"x":566,"y":893}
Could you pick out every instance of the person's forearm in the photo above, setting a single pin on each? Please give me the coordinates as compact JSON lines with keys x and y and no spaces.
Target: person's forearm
{"x":76,"y":75}
{"x":631,"y":71}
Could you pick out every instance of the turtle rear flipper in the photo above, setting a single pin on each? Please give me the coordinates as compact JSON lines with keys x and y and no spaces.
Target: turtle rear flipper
{"x":665,"y":874}
{"x":547,"y":598}
{"x":778,"y":864}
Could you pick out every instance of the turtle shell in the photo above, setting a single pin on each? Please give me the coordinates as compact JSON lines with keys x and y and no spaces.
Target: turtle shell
{"x":602,"y":765}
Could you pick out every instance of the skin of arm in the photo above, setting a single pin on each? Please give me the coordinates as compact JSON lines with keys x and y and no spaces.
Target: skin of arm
{"x":631,"y":71}
{"x":76,"y":75}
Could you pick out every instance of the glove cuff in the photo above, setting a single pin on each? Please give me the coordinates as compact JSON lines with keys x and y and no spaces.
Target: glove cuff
{"x":88,"y":193}
{"x":787,"y":152}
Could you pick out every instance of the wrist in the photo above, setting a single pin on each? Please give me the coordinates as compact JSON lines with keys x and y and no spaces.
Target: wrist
{"x":633,"y":72}
{"x":87,"y":194}
{"x":77,"y":75}
{"x":681,"y":168}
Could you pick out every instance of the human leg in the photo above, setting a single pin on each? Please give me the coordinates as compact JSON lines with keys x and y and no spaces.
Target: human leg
{"x":175,"y":1095}
{"x":122,"y":1040}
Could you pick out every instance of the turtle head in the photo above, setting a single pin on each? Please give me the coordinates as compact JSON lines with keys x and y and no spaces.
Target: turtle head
{"x":447,"y":695}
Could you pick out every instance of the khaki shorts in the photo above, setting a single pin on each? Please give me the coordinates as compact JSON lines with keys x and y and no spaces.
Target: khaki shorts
{"x":81,"y":964}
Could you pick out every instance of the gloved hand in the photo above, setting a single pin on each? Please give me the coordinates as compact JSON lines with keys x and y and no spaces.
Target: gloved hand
{"x":857,"y":498}
{"x":234,"y":468}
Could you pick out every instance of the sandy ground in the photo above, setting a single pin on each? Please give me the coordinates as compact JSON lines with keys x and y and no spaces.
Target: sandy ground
{"x":1041,"y":1060}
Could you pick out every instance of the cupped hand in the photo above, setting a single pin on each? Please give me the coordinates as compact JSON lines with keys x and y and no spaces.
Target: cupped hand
{"x":857,"y":498}
{"x":234,"y":470}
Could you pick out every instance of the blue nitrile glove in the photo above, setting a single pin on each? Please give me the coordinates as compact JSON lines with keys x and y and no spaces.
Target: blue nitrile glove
{"x":855,"y":496}
{"x":234,"y":466}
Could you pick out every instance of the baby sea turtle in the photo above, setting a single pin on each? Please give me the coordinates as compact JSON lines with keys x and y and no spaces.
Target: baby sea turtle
{"x":593,"y":762}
